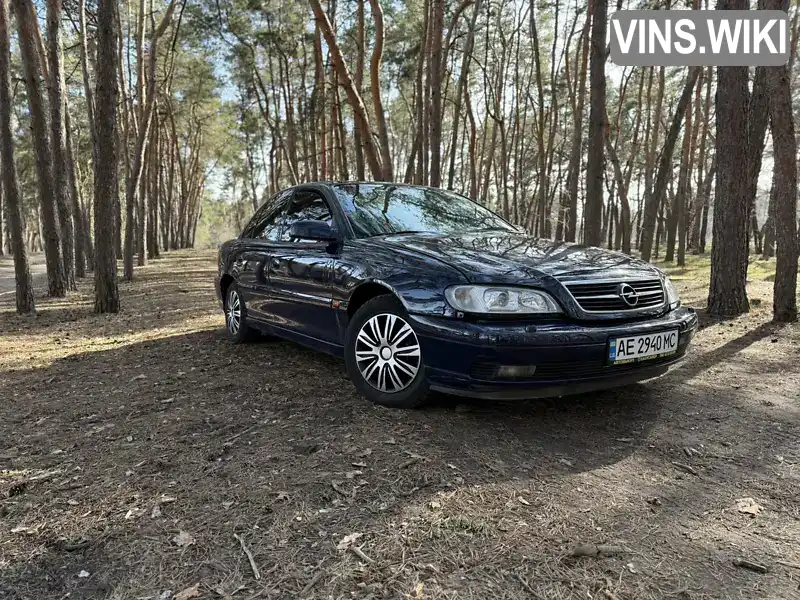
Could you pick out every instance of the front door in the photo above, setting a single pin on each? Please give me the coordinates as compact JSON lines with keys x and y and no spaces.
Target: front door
{"x":254,"y":249}
{"x":300,"y":286}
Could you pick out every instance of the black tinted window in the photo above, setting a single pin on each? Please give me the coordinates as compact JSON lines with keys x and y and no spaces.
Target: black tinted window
{"x":305,"y":206}
{"x":377,"y":209}
{"x":265,"y":224}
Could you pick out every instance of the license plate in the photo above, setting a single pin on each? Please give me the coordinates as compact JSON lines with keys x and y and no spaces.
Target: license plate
{"x":642,"y":347}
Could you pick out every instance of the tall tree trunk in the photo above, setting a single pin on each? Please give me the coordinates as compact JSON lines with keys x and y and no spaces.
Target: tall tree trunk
{"x":8,"y":170}
{"x":157,"y":190}
{"x":540,"y":127}
{"x":106,"y":189}
{"x":653,"y":201}
{"x":353,"y":96}
{"x":345,"y":169}
{"x":135,"y":175}
{"x":757,"y":122}
{"x":677,"y":223}
{"x":57,"y":95}
{"x":593,"y":211}
{"x":785,"y":152}
{"x":702,"y":199}
{"x":710,"y":179}
{"x":32,"y":68}
{"x":291,"y":127}
{"x":727,"y":295}
{"x":420,"y":105}
{"x":435,"y":68}
{"x":375,"y":88}
{"x":574,"y":169}
{"x":463,"y":82}
{"x":625,"y":217}
{"x":84,"y":58}
{"x":359,"y":83}
{"x":473,"y":141}
{"x":142,"y":214}
{"x":84,"y":207}
{"x":318,"y":102}
{"x":654,"y":116}
{"x":77,"y":215}
{"x":768,"y":243}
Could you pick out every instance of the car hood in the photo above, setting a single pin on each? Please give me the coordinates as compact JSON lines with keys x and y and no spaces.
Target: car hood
{"x":514,"y":258}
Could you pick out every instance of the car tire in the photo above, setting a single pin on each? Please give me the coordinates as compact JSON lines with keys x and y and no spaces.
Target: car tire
{"x":236,"y":316}
{"x":383,"y":355}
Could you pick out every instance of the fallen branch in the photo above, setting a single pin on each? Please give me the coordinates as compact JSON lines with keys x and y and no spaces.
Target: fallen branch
{"x":314,"y":581}
{"x":250,"y":558}
{"x":232,"y":439}
{"x":527,"y":586}
{"x":594,"y":550}
{"x":788,"y":564}
{"x":221,"y":593}
{"x":687,"y":468}
{"x":337,"y":488}
{"x":746,"y":564}
{"x":360,"y":554}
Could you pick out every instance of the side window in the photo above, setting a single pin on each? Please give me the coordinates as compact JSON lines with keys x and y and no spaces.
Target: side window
{"x":305,"y":206}
{"x":265,"y":224}
{"x":257,"y":218}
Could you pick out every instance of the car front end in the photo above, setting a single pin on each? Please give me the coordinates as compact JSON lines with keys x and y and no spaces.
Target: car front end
{"x":566,"y":334}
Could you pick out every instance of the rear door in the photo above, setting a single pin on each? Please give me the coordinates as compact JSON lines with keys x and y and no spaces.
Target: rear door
{"x":254,"y":249}
{"x":300,"y":271}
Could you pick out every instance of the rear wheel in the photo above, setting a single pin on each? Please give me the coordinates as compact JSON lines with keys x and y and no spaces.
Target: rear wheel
{"x":236,"y":316}
{"x":383,"y":355}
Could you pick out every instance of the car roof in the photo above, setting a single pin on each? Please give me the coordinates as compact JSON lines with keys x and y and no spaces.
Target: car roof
{"x":393,"y":183}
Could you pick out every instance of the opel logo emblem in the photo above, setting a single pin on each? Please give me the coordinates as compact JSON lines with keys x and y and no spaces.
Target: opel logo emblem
{"x":629,"y":295}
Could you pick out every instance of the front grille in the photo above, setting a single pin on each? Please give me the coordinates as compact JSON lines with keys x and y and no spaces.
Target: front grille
{"x":605,"y":296}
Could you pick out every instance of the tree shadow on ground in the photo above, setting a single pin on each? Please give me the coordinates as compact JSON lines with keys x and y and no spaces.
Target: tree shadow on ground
{"x":702,"y":362}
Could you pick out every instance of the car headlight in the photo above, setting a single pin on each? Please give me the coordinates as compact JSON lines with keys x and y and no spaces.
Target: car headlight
{"x":673,"y":299}
{"x":500,"y":300}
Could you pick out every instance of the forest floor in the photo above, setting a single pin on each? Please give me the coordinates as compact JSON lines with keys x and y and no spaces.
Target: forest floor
{"x":143,"y":456}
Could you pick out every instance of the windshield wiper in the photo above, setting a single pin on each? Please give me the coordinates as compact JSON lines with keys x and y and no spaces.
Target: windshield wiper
{"x":399,"y":232}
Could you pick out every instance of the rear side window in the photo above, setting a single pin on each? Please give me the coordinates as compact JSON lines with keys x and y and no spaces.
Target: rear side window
{"x":305,"y":206}
{"x":266,"y":223}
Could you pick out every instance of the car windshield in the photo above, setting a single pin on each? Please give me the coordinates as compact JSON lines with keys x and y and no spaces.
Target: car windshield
{"x":381,"y":209}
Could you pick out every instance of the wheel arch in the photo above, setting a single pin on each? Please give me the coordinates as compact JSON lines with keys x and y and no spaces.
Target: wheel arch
{"x":224,"y":286}
{"x":366,"y":292}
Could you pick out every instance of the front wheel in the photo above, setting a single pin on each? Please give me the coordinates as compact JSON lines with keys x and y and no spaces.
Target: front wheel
{"x":236,"y":316}
{"x":383,"y":355}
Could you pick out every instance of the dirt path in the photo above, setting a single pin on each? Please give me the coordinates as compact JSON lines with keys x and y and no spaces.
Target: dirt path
{"x":38,"y":269}
{"x":133,"y":448}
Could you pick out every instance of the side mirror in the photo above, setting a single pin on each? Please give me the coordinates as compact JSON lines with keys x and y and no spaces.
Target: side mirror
{"x":312,"y":230}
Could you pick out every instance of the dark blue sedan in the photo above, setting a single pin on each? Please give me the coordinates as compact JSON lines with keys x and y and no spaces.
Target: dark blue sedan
{"x":421,"y":289}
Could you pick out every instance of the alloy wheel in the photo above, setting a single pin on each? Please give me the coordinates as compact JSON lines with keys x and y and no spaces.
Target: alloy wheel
{"x":387,"y":353}
{"x":233,"y":313}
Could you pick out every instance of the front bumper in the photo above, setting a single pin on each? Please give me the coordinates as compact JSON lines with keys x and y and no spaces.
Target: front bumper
{"x":570,"y":357}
